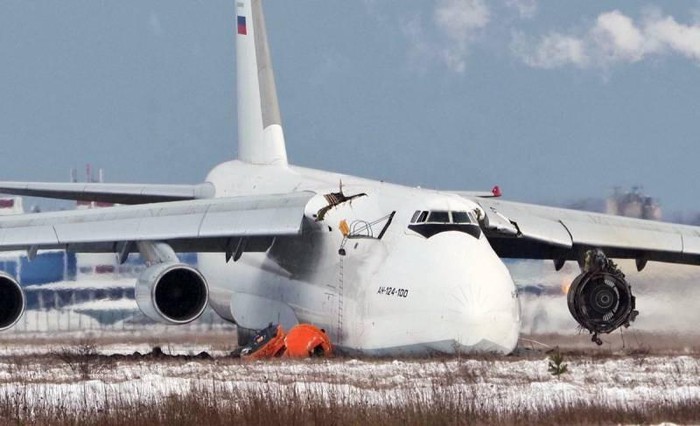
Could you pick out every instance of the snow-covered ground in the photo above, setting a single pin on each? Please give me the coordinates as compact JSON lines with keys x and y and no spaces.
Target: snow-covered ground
{"x":497,"y":384}
{"x":32,"y":369}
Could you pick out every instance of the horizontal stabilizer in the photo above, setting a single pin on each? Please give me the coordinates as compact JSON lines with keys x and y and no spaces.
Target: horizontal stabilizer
{"x":109,"y":192}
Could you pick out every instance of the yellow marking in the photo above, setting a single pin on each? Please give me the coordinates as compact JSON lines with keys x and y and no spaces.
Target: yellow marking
{"x":344,"y":227}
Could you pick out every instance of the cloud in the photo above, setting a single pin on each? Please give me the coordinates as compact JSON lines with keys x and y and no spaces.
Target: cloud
{"x":613,"y":39}
{"x":553,"y":51}
{"x":458,"y":19}
{"x":527,"y":9}
{"x":457,"y":23}
{"x":618,"y":38}
{"x":682,"y":39}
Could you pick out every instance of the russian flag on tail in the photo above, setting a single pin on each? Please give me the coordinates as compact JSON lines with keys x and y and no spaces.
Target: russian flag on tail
{"x":242,"y":27}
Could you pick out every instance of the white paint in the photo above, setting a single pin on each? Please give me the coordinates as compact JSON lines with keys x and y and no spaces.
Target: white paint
{"x":448,"y":292}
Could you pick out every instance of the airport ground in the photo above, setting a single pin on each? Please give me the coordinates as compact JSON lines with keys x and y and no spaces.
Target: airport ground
{"x":85,"y":378}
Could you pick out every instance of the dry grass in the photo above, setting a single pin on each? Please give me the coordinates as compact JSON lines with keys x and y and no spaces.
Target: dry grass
{"x":451,"y":398}
{"x":627,"y":342}
{"x":296,"y":406}
{"x":216,"y":340}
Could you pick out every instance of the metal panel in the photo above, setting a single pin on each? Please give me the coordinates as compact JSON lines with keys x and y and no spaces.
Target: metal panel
{"x":255,"y":312}
{"x":606,"y":233}
{"x":265,"y":217}
{"x":540,"y":228}
{"x":28,"y":236}
{"x":269,"y":215}
{"x":622,"y":236}
{"x":691,"y":243}
{"x":109,"y":192}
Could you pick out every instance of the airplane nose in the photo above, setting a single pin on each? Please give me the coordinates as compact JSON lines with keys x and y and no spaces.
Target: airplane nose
{"x":491,"y":310}
{"x":483,"y":298}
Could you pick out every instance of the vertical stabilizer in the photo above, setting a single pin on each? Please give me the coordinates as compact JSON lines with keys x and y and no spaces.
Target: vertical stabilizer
{"x":260,"y":134}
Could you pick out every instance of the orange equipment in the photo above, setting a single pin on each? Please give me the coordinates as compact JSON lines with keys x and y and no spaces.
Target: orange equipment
{"x":305,"y":340}
{"x":302,"y":341}
{"x":267,"y":343}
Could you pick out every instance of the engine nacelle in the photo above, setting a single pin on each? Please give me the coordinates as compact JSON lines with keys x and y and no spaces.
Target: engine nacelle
{"x":601,"y":302}
{"x":172,"y":293}
{"x":12,"y":301}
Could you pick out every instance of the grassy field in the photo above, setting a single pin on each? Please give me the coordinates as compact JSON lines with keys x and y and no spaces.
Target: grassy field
{"x":290,"y":406}
{"x":78,"y":379}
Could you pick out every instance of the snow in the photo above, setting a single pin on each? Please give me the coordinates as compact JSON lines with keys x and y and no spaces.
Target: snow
{"x":107,"y":305}
{"x":498,"y":384}
{"x":107,"y":282}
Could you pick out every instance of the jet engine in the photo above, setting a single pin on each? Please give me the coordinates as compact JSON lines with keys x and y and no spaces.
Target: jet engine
{"x":600,"y":299}
{"x":172,"y":293}
{"x":12,"y":301}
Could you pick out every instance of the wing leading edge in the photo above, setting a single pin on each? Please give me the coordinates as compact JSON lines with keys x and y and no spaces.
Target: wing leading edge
{"x":109,"y":192}
{"x":527,"y":231}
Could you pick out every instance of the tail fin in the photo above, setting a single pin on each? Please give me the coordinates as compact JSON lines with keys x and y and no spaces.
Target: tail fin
{"x":260,"y":134}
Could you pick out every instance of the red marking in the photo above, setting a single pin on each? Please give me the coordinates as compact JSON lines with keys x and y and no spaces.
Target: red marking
{"x":242,"y":29}
{"x":496,"y":191}
{"x":104,"y":269}
{"x":6,"y":203}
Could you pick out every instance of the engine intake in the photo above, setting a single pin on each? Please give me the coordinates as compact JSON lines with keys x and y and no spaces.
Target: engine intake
{"x":600,"y":299}
{"x":12,"y":301}
{"x":172,"y":293}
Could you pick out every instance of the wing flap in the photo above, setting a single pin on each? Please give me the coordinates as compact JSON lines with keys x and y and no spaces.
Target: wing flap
{"x":253,"y":216}
{"x":691,"y":243}
{"x":596,"y":231}
{"x":27,"y":237}
{"x":285,"y":214}
{"x":542,"y":229}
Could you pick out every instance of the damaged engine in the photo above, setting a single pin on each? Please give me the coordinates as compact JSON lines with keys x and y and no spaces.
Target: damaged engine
{"x":600,"y":299}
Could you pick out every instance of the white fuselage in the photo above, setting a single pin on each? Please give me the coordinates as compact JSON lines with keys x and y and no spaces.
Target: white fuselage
{"x":403,"y":293}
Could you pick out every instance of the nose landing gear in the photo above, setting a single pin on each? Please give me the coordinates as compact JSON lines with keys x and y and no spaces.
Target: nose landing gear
{"x":600,"y":299}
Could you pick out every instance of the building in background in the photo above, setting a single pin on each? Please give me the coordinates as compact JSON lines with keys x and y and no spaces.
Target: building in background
{"x":633,"y":204}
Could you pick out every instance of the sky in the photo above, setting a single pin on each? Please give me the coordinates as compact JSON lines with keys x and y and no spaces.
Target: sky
{"x":550,"y":100}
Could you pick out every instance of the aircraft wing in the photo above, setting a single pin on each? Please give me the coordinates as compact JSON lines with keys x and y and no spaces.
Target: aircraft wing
{"x":527,"y":231}
{"x":198,"y":225}
{"x":109,"y":192}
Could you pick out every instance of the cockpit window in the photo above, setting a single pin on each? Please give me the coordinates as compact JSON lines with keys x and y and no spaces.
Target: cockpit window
{"x":431,"y":223}
{"x":439,"y":217}
{"x":415,"y":217}
{"x":443,"y":217}
{"x":460,"y":217}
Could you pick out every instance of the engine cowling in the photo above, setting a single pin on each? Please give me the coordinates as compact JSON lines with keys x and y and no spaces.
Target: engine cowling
{"x":172,"y":293}
{"x":12,"y":301}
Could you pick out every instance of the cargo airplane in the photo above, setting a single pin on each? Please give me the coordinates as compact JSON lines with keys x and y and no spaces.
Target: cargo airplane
{"x":383,"y":268}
